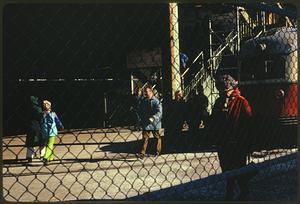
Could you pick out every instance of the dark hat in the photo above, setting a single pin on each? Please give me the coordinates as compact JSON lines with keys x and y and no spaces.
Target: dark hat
{"x":226,"y":82}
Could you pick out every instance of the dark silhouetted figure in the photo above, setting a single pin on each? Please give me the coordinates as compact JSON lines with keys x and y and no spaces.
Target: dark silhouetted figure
{"x":34,"y":137}
{"x":135,"y":107}
{"x":231,"y":115}
{"x":178,"y":113}
{"x":197,"y":112}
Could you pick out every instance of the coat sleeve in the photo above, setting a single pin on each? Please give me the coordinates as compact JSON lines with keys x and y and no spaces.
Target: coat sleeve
{"x":58,"y":122}
{"x":247,"y":108}
{"x":36,"y":111}
{"x":247,"y":128}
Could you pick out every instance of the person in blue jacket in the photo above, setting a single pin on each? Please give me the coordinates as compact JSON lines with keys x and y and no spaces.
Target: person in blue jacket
{"x":49,"y":128}
{"x":183,"y":59}
{"x":151,"y":114}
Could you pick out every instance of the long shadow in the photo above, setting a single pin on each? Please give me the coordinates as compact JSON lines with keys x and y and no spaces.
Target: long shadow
{"x":201,"y":189}
{"x":24,"y":162}
{"x":204,"y":141}
{"x":18,"y":162}
{"x":185,"y":144}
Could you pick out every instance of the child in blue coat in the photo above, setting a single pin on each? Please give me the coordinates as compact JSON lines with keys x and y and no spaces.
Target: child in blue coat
{"x":49,"y":128}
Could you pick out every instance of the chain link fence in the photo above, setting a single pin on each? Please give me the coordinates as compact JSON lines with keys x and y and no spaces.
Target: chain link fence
{"x":117,"y":74}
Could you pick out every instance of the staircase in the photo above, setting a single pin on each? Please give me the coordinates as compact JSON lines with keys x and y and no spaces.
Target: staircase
{"x":198,"y":76}
{"x":230,"y":43}
{"x":223,"y":44}
{"x":205,"y":74}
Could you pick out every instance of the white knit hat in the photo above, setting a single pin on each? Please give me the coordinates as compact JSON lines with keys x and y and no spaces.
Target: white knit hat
{"x":47,"y":102}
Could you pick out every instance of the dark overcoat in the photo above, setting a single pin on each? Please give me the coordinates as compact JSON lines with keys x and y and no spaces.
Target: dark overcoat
{"x":231,"y":117}
{"x":34,"y":114}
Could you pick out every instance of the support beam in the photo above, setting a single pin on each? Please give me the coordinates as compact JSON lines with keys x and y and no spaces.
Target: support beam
{"x":288,"y":21}
{"x":175,"y":51}
{"x":273,"y":9}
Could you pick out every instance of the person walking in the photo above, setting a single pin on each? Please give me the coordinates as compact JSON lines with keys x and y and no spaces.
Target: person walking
{"x":33,"y":135}
{"x":151,"y":115}
{"x":231,"y":115}
{"x":50,"y":125}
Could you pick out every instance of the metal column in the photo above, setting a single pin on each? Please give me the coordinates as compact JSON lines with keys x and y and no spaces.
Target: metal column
{"x":175,"y":56}
{"x":238,"y":45}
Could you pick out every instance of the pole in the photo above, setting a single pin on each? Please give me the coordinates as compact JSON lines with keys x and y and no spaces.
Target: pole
{"x":238,"y":46}
{"x":132,"y":83}
{"x":263,"y":20}
{"x":105,"y":110}
{"x":211,"y":58}
{"x":288,"y":21}
{"x":211,"y":62}
{"x":175,"y":56}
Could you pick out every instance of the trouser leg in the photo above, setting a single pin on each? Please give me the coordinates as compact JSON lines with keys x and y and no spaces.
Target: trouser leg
{"x":243,"y":181}
{"x":226,"y":164}
{"x":175,"y":137}
{"x":146,"y":135}
{"x":42,"y":151}
{"x":30,"y":153}
{"x":156,"y":134}
{"x":229,"y":160}
{"x":49,"y":149}
{"x":138,"y":121}
{"x":229,"y":189}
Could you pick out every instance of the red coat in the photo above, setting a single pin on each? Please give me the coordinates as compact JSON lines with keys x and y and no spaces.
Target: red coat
{"x":231,"y":117}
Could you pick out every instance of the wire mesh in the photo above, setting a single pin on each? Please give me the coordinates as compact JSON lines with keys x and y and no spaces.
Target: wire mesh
{"x":117,"y":74}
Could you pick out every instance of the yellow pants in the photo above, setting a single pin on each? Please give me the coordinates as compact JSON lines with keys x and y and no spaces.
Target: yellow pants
{"x":49,"y":149}
{"x":146,"y":135}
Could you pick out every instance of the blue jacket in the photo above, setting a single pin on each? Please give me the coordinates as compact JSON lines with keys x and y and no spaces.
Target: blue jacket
{"x":150,"y":109}
{"x":183,"y":58}
{"x":50,"y":123}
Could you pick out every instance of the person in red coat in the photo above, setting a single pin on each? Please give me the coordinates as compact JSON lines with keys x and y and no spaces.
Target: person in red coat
{"x":231,"y":115}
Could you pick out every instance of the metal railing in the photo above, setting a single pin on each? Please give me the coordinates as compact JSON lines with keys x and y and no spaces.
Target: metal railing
{"x":194,"y":82}
{"x":96,"y":154}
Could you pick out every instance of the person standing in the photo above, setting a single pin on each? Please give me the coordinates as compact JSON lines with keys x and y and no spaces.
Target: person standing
{"x":151,"y":115}
{"x":197,"y":112}
{"x":178,"y":112}
{"x":183,"y":60}
{"x":50,"y":124}
{"x":33,"y":135}
{"x":231,"y":115}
